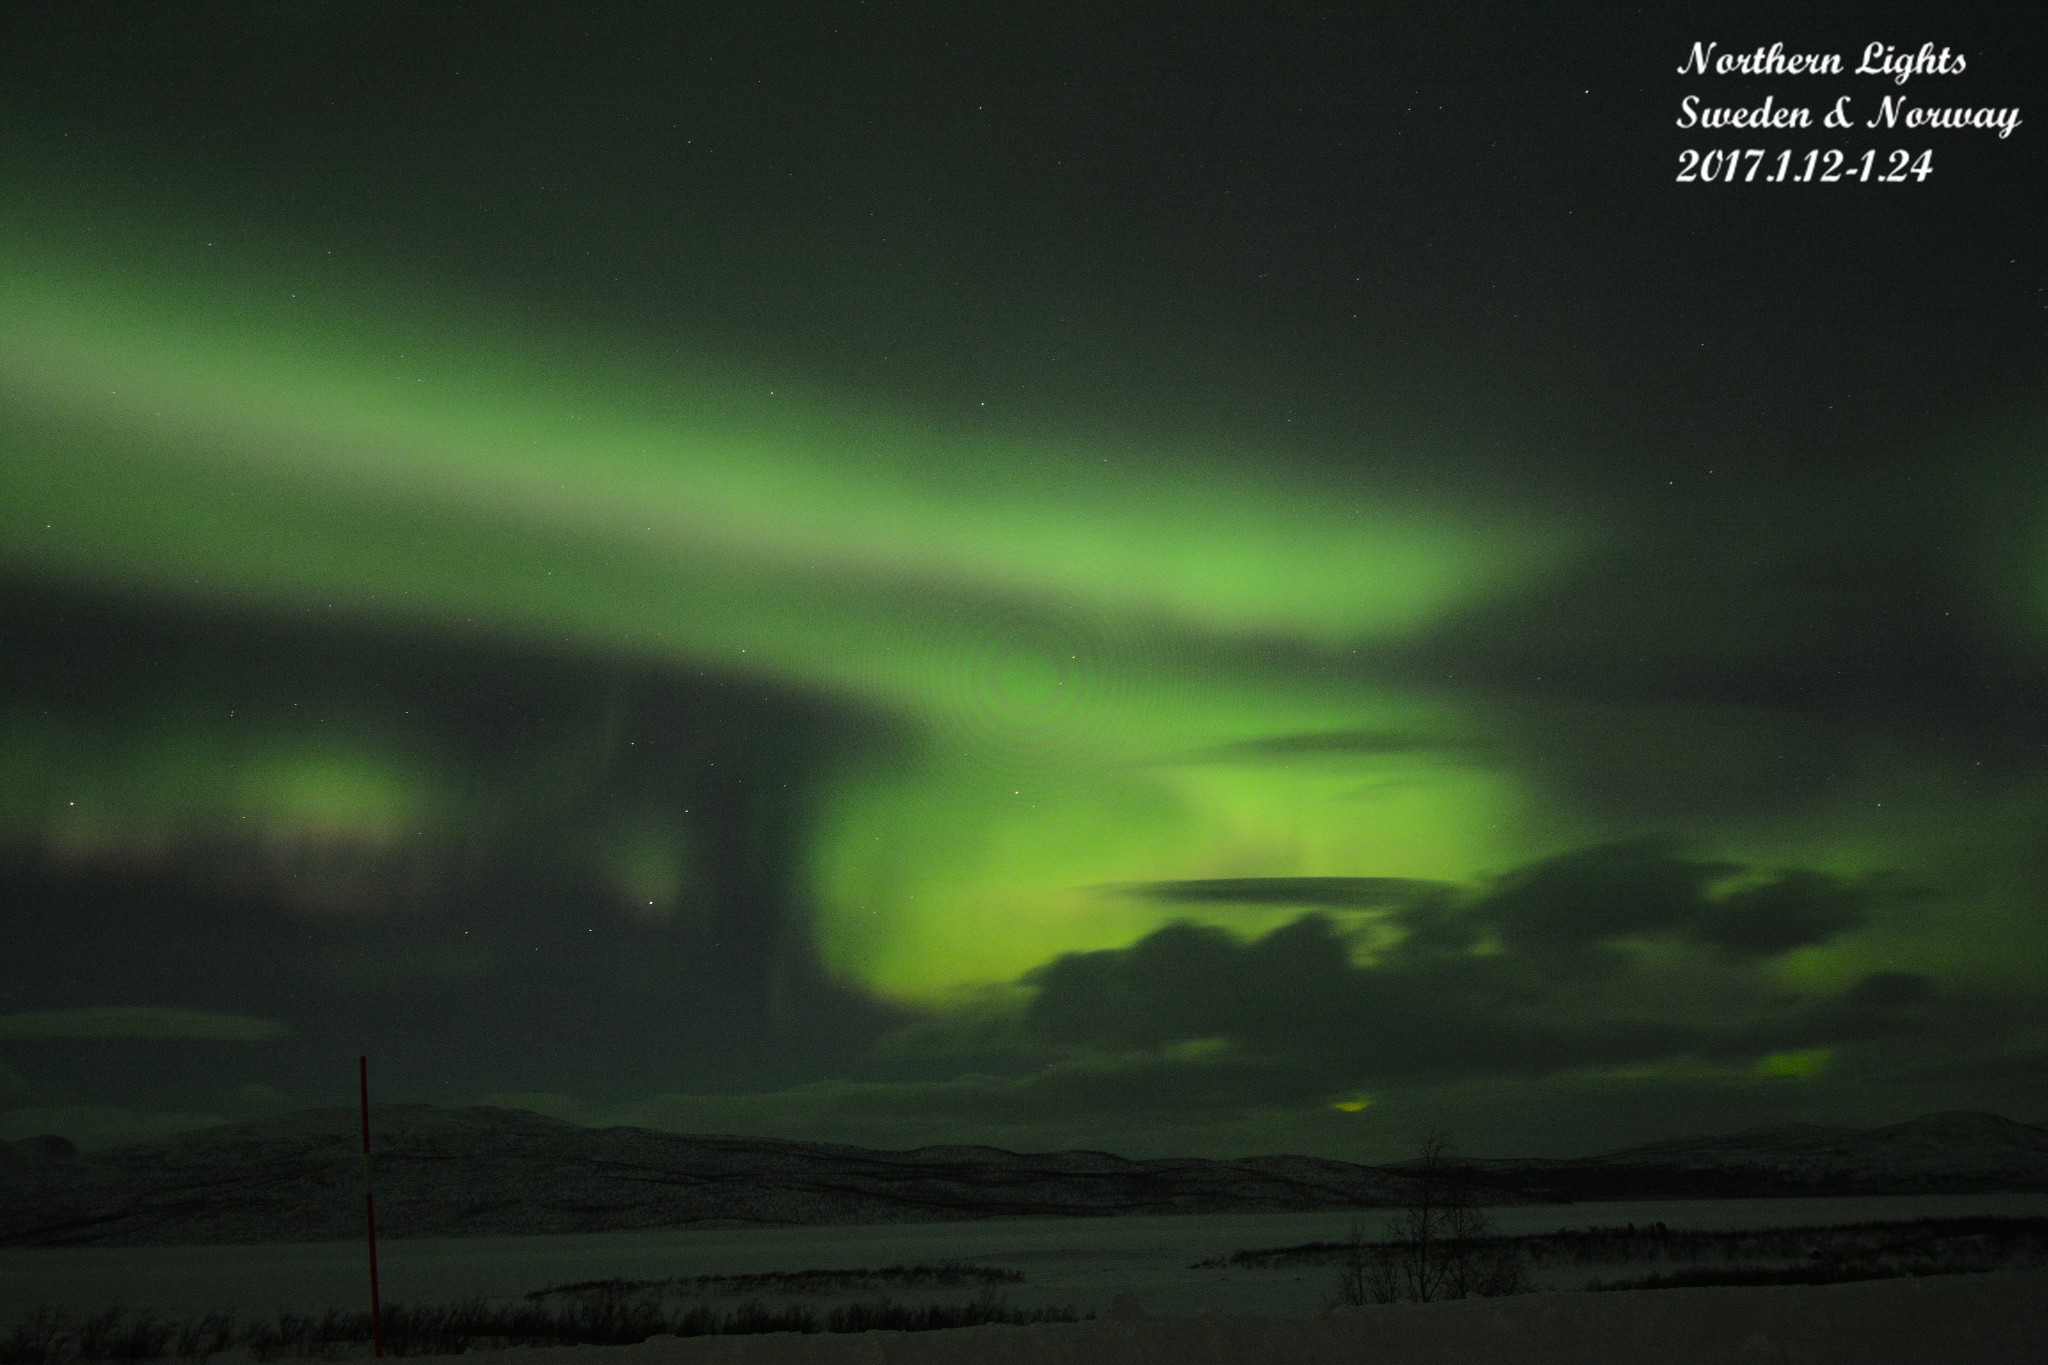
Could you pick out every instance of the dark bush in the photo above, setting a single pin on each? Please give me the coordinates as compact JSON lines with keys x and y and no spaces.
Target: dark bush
{"x":605,"y":1313}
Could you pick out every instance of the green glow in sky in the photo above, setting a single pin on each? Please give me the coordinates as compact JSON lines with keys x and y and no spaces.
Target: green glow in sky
{"x":988,"y":865}
{"x":1797,"y":1065}
{"x":342,"y":793}
{"x":869,"y":585}
{"x":1067,"y":621}
{"x":648,"y":864}
{"x":177,"y":776}
{"x":197,"y":385}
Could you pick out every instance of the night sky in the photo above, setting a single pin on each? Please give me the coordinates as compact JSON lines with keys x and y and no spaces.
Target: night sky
{"x":1167,"y":578}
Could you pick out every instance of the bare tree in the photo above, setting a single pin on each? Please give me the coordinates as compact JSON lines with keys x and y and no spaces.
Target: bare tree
{"x":1424,"y":1230}
{"x":1441,"y":1246}
{"x":1369,"y":1272}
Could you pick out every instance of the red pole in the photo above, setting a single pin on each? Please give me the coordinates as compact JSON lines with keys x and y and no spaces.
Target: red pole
{"x":370,"y":1212}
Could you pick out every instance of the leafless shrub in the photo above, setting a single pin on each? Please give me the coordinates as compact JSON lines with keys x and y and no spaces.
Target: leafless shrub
{"x":1441,"y":1246}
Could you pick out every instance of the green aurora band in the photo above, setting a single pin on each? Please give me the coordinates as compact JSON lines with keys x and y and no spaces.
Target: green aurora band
{"x":1091,"y":643}
{"x":942,"y":578}
{"x":1068,"y":624}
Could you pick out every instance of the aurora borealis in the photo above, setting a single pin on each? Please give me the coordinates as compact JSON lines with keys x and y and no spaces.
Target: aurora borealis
{"x":1204,"y":584}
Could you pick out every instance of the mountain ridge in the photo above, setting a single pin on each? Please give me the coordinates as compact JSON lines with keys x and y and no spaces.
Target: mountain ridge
{"x":493,"y":1172}
{"x":1949,"y":1153}
{"x":484,"y":1172}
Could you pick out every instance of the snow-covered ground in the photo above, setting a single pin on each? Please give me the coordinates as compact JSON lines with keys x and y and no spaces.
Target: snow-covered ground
{"x":1940,"y":1320}
{"x":1083,"y":1262}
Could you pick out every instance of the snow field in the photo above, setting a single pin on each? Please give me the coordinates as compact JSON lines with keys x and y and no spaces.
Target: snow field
{"x":1940,"y":1320}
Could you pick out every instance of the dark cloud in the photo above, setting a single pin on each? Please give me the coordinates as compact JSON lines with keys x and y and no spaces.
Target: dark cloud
{"x":1558,"y":988}
{"x":1744,"y":659}
{"x":1902,"y":1012}
{"x":1793,"y":473}
{"x":1294,"y":994}
{"x":1600,"y":893}
{"x":1353,"y":893}
{"x":1796,"y":910}
{"x":491,"y":936}
{"x":1889,"y":990}
{"x":1650,"y":888}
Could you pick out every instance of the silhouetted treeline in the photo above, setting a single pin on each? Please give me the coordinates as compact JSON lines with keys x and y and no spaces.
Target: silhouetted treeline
{"x":1823,"y":1254}
{"x":600,"y":1316}
{"x":946,"y":1275}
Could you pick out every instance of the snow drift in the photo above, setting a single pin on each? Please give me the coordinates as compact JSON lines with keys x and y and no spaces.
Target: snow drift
{"x":1953,"y":1319}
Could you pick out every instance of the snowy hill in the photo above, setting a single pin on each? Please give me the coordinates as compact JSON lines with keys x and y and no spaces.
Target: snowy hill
{"x":28,"y":1154}
{"x":1952,"y":1319}
{"x":1938,"y":1154}
{"x":480,"y":1172}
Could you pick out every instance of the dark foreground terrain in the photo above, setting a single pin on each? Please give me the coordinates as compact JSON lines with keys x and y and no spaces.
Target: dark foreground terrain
{"x":1939,"y":1154}
{"x":494,"y":1172}
{"x":953,"y":1295}
{"x":1952,"y":1319}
